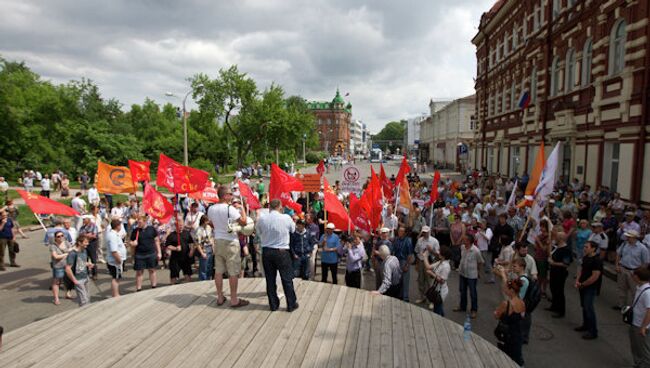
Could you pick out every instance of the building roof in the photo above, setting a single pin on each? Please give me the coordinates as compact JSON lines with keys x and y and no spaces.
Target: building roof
{"x":333,"y":105}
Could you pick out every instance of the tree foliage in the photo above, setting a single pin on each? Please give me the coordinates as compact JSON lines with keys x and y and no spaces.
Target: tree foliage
{"x":391,"y":136}
{"x":70,"y":126}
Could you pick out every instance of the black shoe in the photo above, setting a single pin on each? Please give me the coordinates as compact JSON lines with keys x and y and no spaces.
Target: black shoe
{"x":589,"y":336}
{"x":580,"y":329}
{"x":291,"y":309}
{"x":557,"y":315}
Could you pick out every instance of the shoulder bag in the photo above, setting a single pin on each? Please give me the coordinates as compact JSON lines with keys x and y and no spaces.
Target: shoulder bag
{"x":628,"y":311}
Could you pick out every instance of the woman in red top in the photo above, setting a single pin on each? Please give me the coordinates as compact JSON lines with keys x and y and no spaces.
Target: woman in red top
{"x":569,"y":226}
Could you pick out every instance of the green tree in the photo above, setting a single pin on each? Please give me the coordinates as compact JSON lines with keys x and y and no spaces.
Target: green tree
{"x":391,"y":136}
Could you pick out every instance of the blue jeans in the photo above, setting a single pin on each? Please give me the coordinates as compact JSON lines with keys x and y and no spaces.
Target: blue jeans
{"x":462,"y":286}
{"x":301,"y":267}
{"x":587,"y":298}
{"x":406,"y":278}
{"x":206,"y":267}
{"x":437,"y":309}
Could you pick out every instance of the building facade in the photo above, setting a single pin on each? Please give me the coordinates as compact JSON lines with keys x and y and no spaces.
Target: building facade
{"x":585,"y":66}
{"x":358,"y":144}
{"x":333,"y":121}
{"x":452,"y":134}
{"x":427,"y":132}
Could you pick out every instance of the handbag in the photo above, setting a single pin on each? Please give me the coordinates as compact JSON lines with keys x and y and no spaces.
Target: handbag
{"x":627,"y":312}
{"x":502,"y":331}
{"x":15,"y":246}
{"x":433,"y":294}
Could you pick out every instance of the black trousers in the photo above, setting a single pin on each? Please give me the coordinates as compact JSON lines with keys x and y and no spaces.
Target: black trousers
{"x":92,"y":254}
{"x":557,"y":280}
{"x":353,"y":279}
{"x":395,"y":291}
{"x":332,"y":268}
{"x":274,"y":261}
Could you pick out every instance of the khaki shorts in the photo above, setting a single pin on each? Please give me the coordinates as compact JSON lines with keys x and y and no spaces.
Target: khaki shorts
{"x":227,"y":257}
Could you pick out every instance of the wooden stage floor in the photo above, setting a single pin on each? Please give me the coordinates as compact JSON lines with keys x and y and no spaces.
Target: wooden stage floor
{"x":181,"y":326}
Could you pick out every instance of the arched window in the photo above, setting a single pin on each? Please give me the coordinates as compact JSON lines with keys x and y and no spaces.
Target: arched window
{"x":617,"y":48}
{"x":555,"y":76}
{"x":570,"y":75}
{"x":556,"y":8}
{"x":587,"y":55}
{"x":533,"y":85}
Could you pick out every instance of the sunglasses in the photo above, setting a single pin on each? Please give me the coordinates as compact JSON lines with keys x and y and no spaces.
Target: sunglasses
{"x":59,"y":236}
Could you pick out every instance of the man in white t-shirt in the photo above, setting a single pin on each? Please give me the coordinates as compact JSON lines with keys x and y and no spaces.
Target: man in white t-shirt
{"x":227,"y":256}
{"x":93,"y":195}
{"x":46,"y":186}
{"x":193,"y":218}
{"x":79,"y":205}
{"x":483,"y":238}
{"x":639,"y":336}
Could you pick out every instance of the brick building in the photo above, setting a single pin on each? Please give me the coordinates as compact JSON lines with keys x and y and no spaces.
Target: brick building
{"x":333,"y":120}
{"x":585,"y":65}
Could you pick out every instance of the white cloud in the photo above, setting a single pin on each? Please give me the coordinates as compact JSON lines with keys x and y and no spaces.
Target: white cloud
{"x":392,"y":56}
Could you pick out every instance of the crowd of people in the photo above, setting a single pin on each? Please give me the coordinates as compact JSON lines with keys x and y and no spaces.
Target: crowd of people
{"x":470,"y":229}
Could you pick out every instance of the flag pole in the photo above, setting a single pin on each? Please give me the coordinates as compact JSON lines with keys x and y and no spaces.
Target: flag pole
{"x":40,"y":222}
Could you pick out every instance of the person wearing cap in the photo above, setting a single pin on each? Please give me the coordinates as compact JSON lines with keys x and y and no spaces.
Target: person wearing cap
{"x":301,"y":244}
{"x":330,"y":244}
{"x":425,"y":244}
{"x":628,"y":225}
{"x":500,"y":207}
{"x":599,"y":237}
{"x":632,"y":254}
{"x":553,"y":212}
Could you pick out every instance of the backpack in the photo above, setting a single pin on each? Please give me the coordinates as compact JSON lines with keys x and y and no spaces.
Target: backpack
{"x":533,"y":295}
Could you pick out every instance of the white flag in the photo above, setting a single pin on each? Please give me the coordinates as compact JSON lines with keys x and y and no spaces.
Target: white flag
{"x":543,"y":190}
{"x":511,"y":200}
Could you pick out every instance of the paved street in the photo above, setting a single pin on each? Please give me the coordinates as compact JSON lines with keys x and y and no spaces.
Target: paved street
{"x":25,"y":298}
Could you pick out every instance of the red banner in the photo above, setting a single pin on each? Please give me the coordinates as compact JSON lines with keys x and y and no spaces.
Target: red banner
{"x":404,"y":169}
{"x":189,"y":180}
{"x":43,"y":205}
{"x":156,"y":205}
{"x":140,"y":170}
{"x":251,"y":200}
{"x":209,"y":194}
{"x":358,"y":213}
{"x":434,"y":188}
{"x":386,"y":185}
{"x":165,"y":172}
{"x":281,"y":185}
{"x":336,"y":213}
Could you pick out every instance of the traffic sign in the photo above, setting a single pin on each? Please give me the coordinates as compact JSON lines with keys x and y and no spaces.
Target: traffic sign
{"x":351,"y":180}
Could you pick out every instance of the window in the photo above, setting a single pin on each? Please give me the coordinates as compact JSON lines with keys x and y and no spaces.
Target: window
{"x":587,"y":54}
{"x":556,"y":8}
{"x":555,"y":76}
{"x":536,"y":19}
{"x":617,"y":48}
{"x":572,"y":3}
{"x":570,"y":70}
{"x":514,"y":37}
{"x":611,"y":154}
{"x":504,"y":100}
{"x":566,"y":159}
{"x":512,"y":96}
{"x":515,"y":161}
{"x":533,"y":85}
{"x":490,"y":162}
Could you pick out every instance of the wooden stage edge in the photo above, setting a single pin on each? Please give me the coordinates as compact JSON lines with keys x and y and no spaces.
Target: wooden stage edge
{"x":181,"y":326}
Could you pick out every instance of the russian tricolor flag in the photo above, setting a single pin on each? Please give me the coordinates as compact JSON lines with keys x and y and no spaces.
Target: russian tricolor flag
{"x":524,"y":100}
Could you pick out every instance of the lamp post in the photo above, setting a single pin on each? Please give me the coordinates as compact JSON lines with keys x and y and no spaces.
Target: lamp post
{"x":304,"y":157}
{"x":185,"y":154}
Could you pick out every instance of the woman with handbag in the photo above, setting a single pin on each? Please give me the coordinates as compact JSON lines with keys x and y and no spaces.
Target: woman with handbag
{"x":510,"y":314}
{"x":439,"y":271}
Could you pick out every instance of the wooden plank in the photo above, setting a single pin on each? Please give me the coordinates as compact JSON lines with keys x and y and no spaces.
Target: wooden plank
{"x":454,"y":332}
{"x":448,"y":348}
{"x":303,"y":340}
{"x":60,"y":337}
{"x":338,"y":345}
{"x":361,"y":356}
{"x":421,"y":347}
{"x":314,"y":348}
{"x":352,"y":336}
{"x":486,"y":354}
{"x":286,"y":343}
{"x":224,"y":322}
{"x":374,"y":345}
{"x":399,"y":354}
{"x":436,"y":351}
{"x":408,"y":331}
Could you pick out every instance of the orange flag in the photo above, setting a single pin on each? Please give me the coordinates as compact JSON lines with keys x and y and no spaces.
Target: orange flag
{"x":114,"y":179}
{"x":405,"y":195}
{"x":540,"y":161}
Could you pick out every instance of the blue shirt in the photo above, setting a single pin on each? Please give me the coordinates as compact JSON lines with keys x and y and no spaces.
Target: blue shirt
{"x":114,"y":244}
{"x":402,"y":248}
{"x":333,"y":241}
{"x":6,"y":232}
{"x":49,"y":235}
{"x":633,"y":256}
{"x":274,"y":229}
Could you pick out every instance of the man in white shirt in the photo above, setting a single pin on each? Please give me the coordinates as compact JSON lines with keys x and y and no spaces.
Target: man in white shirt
{"x":93,"y":195}
{"x":227,"y":257}
{"x":274,"y":230}
{"x":483,"y":238}
{"x":116,"y":256}
{"x":79,"y":205}
{"x":425,"y":244}
{"x":4,"y":189}
{"x":46,"y":186}
{"x":639,"y":336}
{"x":193,"y":218}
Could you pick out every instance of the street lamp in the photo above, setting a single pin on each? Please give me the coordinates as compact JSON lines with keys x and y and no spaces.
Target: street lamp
{"x":170,"y":94}
{"x":304,"y":157}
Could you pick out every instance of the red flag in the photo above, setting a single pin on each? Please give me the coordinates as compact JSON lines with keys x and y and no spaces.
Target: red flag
{"x":358,"y":213}
{"x":386,"y":184}
{"x":373,"y":201}
{"x":434,"y":189}
{"x":321,"y":167}
{"x":165,"y":172}
{"x":139,"y":170}
{"x":209,"y":194}
{"x":404,"y":169}
{"x":246,"y":192}
{"x":156,"y":205}
{"x":336,"y":213}
{"x":281,"y":185}
{"x":43,"y":205}
{"x":188,"y":179}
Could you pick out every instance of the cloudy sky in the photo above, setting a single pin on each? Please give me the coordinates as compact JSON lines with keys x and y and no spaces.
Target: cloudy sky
{"x":391,"y":56}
